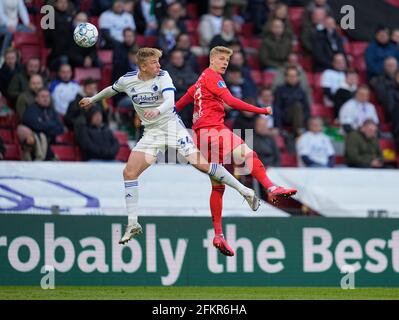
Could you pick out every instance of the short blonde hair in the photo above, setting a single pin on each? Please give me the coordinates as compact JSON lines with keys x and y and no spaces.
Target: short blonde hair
{"x":221,"y":50}
{"x":144,"y":53}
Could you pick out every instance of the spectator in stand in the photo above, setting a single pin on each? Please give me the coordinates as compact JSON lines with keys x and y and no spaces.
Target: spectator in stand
{"x":167,"y":35}
{"x":20,"y":80}
{"x":8,"y":70}
{"x":331,"y":79}
{"x":176,"y":12}
{"x":113,"y":22}
{"x":264,"y":143}
{"x":326,"y":44}
{"x":236,"y":84}
{"x":395,"y":37}
{"x":27,"y":98}
{"x":79,"y":56}
{"x":362,"y":148}
{"x":183,"y":77}
{"x":120,"y":58}
{"x":95,"y":138}
{"x":275,"y":48}
{"x":280,"y":12}
{"x":211,"y":23}
{"x":11,"y":13}
{"x":42,"y":118}
{"x":393,"y":107}
{"x":145,"y":18}
{"x":291,"y":106}
{"x":314,"y":147}
{"x":238,"y":59}
{"x":346,"y":90}
{"x":257,"y":12}
{"x":75,"y":115}
{"x":378,"y":50}
{"x":99,"y":6}
{"x":226,"y":37}
{"x":310,"y":26}
{"x":279,"y":78}
{"x":183,"y":43}
{"x":355,"y":111}
{"x":59,"y":38}
{"x":63,"y":89}
{"x":384,"y":82}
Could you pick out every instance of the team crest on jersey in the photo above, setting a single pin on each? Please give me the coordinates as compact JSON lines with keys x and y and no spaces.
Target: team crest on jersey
{"x":221,"y":84}
{"x":132,"y":90}
{"x":154,"y":87}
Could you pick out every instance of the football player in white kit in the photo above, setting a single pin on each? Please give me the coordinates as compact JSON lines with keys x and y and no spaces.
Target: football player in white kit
{"x":153,"y":94}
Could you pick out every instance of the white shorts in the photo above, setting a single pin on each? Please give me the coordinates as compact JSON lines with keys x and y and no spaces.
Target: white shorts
{"x":172,"y":134}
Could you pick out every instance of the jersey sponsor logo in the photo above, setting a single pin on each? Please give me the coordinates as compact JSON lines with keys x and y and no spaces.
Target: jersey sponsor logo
{"x":145,"y":98}
{"x":221,"y":84}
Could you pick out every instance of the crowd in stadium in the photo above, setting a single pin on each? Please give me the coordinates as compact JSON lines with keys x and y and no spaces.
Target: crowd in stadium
{"x":335,"y":100}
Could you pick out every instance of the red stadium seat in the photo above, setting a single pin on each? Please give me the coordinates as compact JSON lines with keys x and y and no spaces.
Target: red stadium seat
{"x":9,"y":121}
{"x":29,"y":51}
{"x":295,"y":16}
{"x":105,"y":56}
{"x":257,"y":77}
{"x":66,"y":138}
{"x":305,"y":62}
{"x":245,"y":42}
{"x":280,"y":143}
{"x":253,"y":62}
{"x":358,"y":48}
{"x":387,"y":144}
{"x":13,"y":152}
{"x":288,"y":160}
{"x":25,"y":38}
{"x":94,"y":20}
{"x":247,"y":29}
{"x":150,"y":41}
{"x":192,"y":25}
{"x":123,"y":153}
{"x":255,"y":43}
{"x":194,"y":39}
{"x":268,"y":78}
{"x":64,"y":153}
{"x":7,"y":136}
{"x":339,"y":159}
{"x":192,"y":10}
{"x":122,"y":137}
{"x":140,"y":40}
{"x":203,"y":62}
{"x":106,"y":76}
{"x":85,"y":73}
{"x":85,"y":5}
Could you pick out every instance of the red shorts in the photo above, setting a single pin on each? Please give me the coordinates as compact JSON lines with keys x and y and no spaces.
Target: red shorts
{"x":217,"y":144}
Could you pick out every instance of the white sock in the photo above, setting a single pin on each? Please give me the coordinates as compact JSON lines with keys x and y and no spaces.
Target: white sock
{"x":271,"y":189}
{"x":132,"y":198}
{"x":220,"y":174}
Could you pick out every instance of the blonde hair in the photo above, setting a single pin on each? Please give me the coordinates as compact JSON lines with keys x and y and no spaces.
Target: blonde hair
{"x":144,"y":53}
{"x":221,"y":50}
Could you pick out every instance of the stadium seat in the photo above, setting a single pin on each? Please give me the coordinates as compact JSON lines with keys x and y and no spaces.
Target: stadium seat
{"x":387,"y":144}
{"x":268,"y":78}
{"x":339,"y":159}
{"x":84,"y":73}
{"x":192,"y":25}
{"x":105,"y":56}
{"x":140,"y":40}
{"x":194,"y":39}
{"x":94,"y":20}
{"x":257,"y":77}
{"x":305,"y":62}
{"x":67,"y":138}
{"x":25,"y":38}
{"x":7,"y":136}
{"x":280,"y":143}
{"x":13,"y":152}
{"x":318,"y":110}
{"x":255,"y":43}
{"x":9,"y":121}
{"x":192,"y":10}
{"x":85,"y":5}
{"x":203,"y":62}
{"x":358,"y":48}
{"x":295,"y":17}
{"x":386,"y":127}
{"x":253,"y":62}
{"x":288,"y":160}
{"x":247,"y":29}
{"x":64,"y":153}
{"x":106,"y":76}
{"x":151,"y":41}
{"x":347,"y":47}
{"x":123,"y":153}
{"x":122,"y":137}
{"x":29,"y":51}
{"x":245,"y":42}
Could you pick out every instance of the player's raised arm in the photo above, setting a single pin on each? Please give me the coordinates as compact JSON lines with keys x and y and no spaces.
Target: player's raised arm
{"x":103,"y":94}
{"x":235,"y":103}
{"x":186,"y":99}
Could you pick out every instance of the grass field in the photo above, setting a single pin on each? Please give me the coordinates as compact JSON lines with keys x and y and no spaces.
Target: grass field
{"x":194,"y":293}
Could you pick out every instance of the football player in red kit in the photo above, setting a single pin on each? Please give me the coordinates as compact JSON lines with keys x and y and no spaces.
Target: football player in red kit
{"x":217,"y":142}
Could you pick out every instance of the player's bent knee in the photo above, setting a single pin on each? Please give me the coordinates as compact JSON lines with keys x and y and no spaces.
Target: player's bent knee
{"x":129,"y":174}
{"x":204,"y":167}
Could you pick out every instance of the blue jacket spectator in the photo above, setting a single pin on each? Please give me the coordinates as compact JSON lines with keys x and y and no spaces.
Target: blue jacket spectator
{"x":379,"y":49}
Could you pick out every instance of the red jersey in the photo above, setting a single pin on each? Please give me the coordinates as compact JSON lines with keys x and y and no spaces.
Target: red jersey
{"x":209,"y":94}
{"x":208,"y":104}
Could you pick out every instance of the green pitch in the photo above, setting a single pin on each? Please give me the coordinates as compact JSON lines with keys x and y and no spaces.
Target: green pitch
{"x":193,"y":293}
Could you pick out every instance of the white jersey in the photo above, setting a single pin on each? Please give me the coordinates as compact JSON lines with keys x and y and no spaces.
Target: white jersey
{"x":317,"y":146}
{"x":147,"y":94}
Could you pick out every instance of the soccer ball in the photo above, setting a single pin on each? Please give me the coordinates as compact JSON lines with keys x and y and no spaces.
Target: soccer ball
{"x":85,"y":35}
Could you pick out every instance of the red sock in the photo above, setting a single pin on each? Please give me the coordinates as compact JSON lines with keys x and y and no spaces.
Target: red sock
{"x":258,"y":171}
{"x":216,"y":203}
